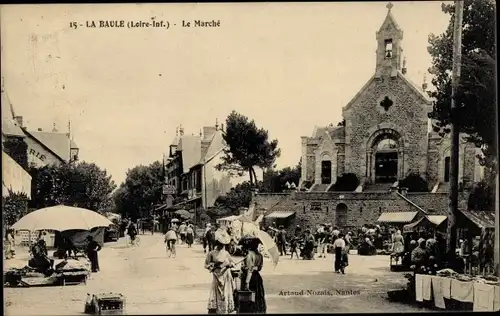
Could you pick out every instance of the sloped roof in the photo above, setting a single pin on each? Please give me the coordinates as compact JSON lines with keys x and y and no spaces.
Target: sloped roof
{"x":59,"y":143}
{"x":217,"y":144}
{"x":191,"y":151}
{"x":389,"y":19}
{"x":397,"y":217}
{"x":337,"y":132}
{"x":175,"y":141}
{"x":482,"y":219}
{"x":9,"y":125}
{"x":73,"y":144}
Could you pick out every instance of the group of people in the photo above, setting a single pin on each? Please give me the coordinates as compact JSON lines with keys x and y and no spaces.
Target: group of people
{"x":223,"y":298}
{"x":308,"y":243}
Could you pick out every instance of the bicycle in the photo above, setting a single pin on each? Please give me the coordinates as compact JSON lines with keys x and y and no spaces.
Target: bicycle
{"x":171,"y":248}
{"x":136,"y":242}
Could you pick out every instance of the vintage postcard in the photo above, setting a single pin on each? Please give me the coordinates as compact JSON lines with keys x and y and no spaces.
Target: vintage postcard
{"x":231,"y":158}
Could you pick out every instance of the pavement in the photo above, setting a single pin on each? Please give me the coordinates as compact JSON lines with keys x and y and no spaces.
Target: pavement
{"x":155,"y":284}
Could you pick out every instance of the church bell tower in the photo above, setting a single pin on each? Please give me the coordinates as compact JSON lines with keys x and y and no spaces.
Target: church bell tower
{"x":389,"y":51}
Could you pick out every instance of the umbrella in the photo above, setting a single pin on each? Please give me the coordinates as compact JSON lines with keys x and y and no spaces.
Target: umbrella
{"x":183,"y":213}
{"x":61,"y":218}
{"x":268,"y":243}
{"x":174,"y":220}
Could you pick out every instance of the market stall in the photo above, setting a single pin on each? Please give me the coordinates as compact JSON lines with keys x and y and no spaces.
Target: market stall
{"x":453,"y":291}
{"x":427,"y":223}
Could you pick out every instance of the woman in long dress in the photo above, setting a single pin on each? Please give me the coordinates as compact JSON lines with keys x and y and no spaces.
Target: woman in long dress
{"x":219,"y":262}
{"x":251,"y":279}
{"x":189,"y":235}
{"x":398,"y":247}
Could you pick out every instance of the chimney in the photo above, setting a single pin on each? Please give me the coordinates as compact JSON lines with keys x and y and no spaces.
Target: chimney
{"x":222,"y":127}
{"x":424,"y":84}
{"x":19,"y":120}
{"x":208,"y":132}
{"x":216,"y":124}
{"x":39,"y":129}
{"x":403,"y":70}
{"x":181,"y":131}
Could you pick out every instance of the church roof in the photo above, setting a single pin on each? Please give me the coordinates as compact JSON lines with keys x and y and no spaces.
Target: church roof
{"x":389,"y":22}
{"x":337,"y":132}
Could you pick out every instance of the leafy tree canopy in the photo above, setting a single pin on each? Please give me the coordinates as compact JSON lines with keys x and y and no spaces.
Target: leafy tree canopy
{"x":476,"y":96}
{"x":77,"y":184}
{"x":414,"y":183}
{"x":14,"y":206}
{"x":141,"y":190}
{"x":275,"y":180}
{"x":247,"y":147}
{"x":17,"y":149}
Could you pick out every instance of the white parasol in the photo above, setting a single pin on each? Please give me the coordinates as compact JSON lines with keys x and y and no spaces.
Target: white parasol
{"x":61,"y":218}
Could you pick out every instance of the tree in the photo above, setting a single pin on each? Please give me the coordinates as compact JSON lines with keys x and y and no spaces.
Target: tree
{"x":141,"y":190}
{"x":248,"y":147}
{"x":239,"y":196}
{"x":414,"y":183}
{"x":476,"y":95}
{"x":345,"y":183}
{"x":481,"y":197}
{"x":275,"y":181}
{"x":17,"y":149}
{"x":14,"y":206}
{"x":81,"y":185}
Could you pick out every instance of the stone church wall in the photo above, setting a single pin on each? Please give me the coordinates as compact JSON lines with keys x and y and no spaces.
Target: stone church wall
{"x":408,"y":115}
{"x":314,"y":208}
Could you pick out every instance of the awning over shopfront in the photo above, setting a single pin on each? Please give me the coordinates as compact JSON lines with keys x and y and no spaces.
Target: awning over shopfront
{"x":397,"y":217}
{"x":431,"y":221}
{"x":228,"y":218}
{"x":14,"y":177}
{"x":482,"y":219}
{"x":280,"y":214}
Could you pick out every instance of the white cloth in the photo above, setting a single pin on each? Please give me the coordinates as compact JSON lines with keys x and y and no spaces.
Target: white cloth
{"x":496,"y":298}
{"x":437,"y":291}
{"x":462,"y":291}
{"x":446,"y":286}
{"x":339,"y":242}
{"x":419,"y":295}
{"x":426,"y":287}
{"x":336,"y":232}
{"x":484,"y":296}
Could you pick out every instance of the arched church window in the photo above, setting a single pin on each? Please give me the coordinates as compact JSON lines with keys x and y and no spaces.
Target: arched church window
{"x":388,"y":48}
{"x":447,"y":169}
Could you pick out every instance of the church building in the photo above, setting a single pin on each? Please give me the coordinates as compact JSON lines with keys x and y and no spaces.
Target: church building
{"x":386,"y":132}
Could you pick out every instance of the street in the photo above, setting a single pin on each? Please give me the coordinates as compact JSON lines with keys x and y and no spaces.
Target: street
{"x":155,"y":284}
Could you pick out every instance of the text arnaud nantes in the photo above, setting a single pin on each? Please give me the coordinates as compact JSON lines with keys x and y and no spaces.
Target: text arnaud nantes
{"x":133,"y":24}
{"x":320,"y":293}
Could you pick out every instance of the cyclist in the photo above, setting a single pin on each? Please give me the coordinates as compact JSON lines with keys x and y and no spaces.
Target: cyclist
{"x":132,"y":232}
{"x":170,"y":239}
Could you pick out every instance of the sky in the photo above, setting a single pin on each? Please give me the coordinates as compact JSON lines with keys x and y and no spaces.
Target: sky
{"x":288,"y":66}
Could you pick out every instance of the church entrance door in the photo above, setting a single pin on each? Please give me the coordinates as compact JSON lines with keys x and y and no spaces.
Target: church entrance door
{"x":386,"y":167}
{"x":326,"y":172}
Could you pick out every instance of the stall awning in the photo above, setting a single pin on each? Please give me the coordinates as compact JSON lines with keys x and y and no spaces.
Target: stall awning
{"x":483,"y":219}
{"x":432,"y":221}
{"x":280,"y":214}
{"x":437,"y":219}
{"x":228,"y":218}
{"x":397,"y":217}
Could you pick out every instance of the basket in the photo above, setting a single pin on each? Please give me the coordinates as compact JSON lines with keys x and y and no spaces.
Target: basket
{"x":246,"y":296}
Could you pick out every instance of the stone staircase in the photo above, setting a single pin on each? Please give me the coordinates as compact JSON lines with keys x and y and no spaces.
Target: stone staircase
{"x":319,"y":187}
{"x":377,"y":187}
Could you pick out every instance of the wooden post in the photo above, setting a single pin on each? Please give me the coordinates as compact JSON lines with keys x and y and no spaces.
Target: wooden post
{"x":451,"y":241}
{"x":497,"y":230}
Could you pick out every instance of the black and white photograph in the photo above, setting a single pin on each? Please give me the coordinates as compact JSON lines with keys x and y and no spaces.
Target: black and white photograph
{"x":250,"y":158}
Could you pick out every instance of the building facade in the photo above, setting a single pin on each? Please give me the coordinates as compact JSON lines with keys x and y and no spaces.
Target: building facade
{"x":192,"y":168}
{"x":385,"y":135}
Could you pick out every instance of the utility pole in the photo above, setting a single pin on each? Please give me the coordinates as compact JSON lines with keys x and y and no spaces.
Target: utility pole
{"x":497,"y":230}
{"x":451,"y":240}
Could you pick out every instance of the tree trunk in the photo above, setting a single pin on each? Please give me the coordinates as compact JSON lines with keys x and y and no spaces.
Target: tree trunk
{"x":251,"y":176}
{"x":255,"y":179}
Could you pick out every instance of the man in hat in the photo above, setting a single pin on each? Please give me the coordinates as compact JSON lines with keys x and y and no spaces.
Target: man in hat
{"x":281,"y":240}
{"x":92,"y":249}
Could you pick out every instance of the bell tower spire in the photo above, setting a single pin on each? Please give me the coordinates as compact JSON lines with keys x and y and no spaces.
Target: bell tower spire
{"x":389,"y":50}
